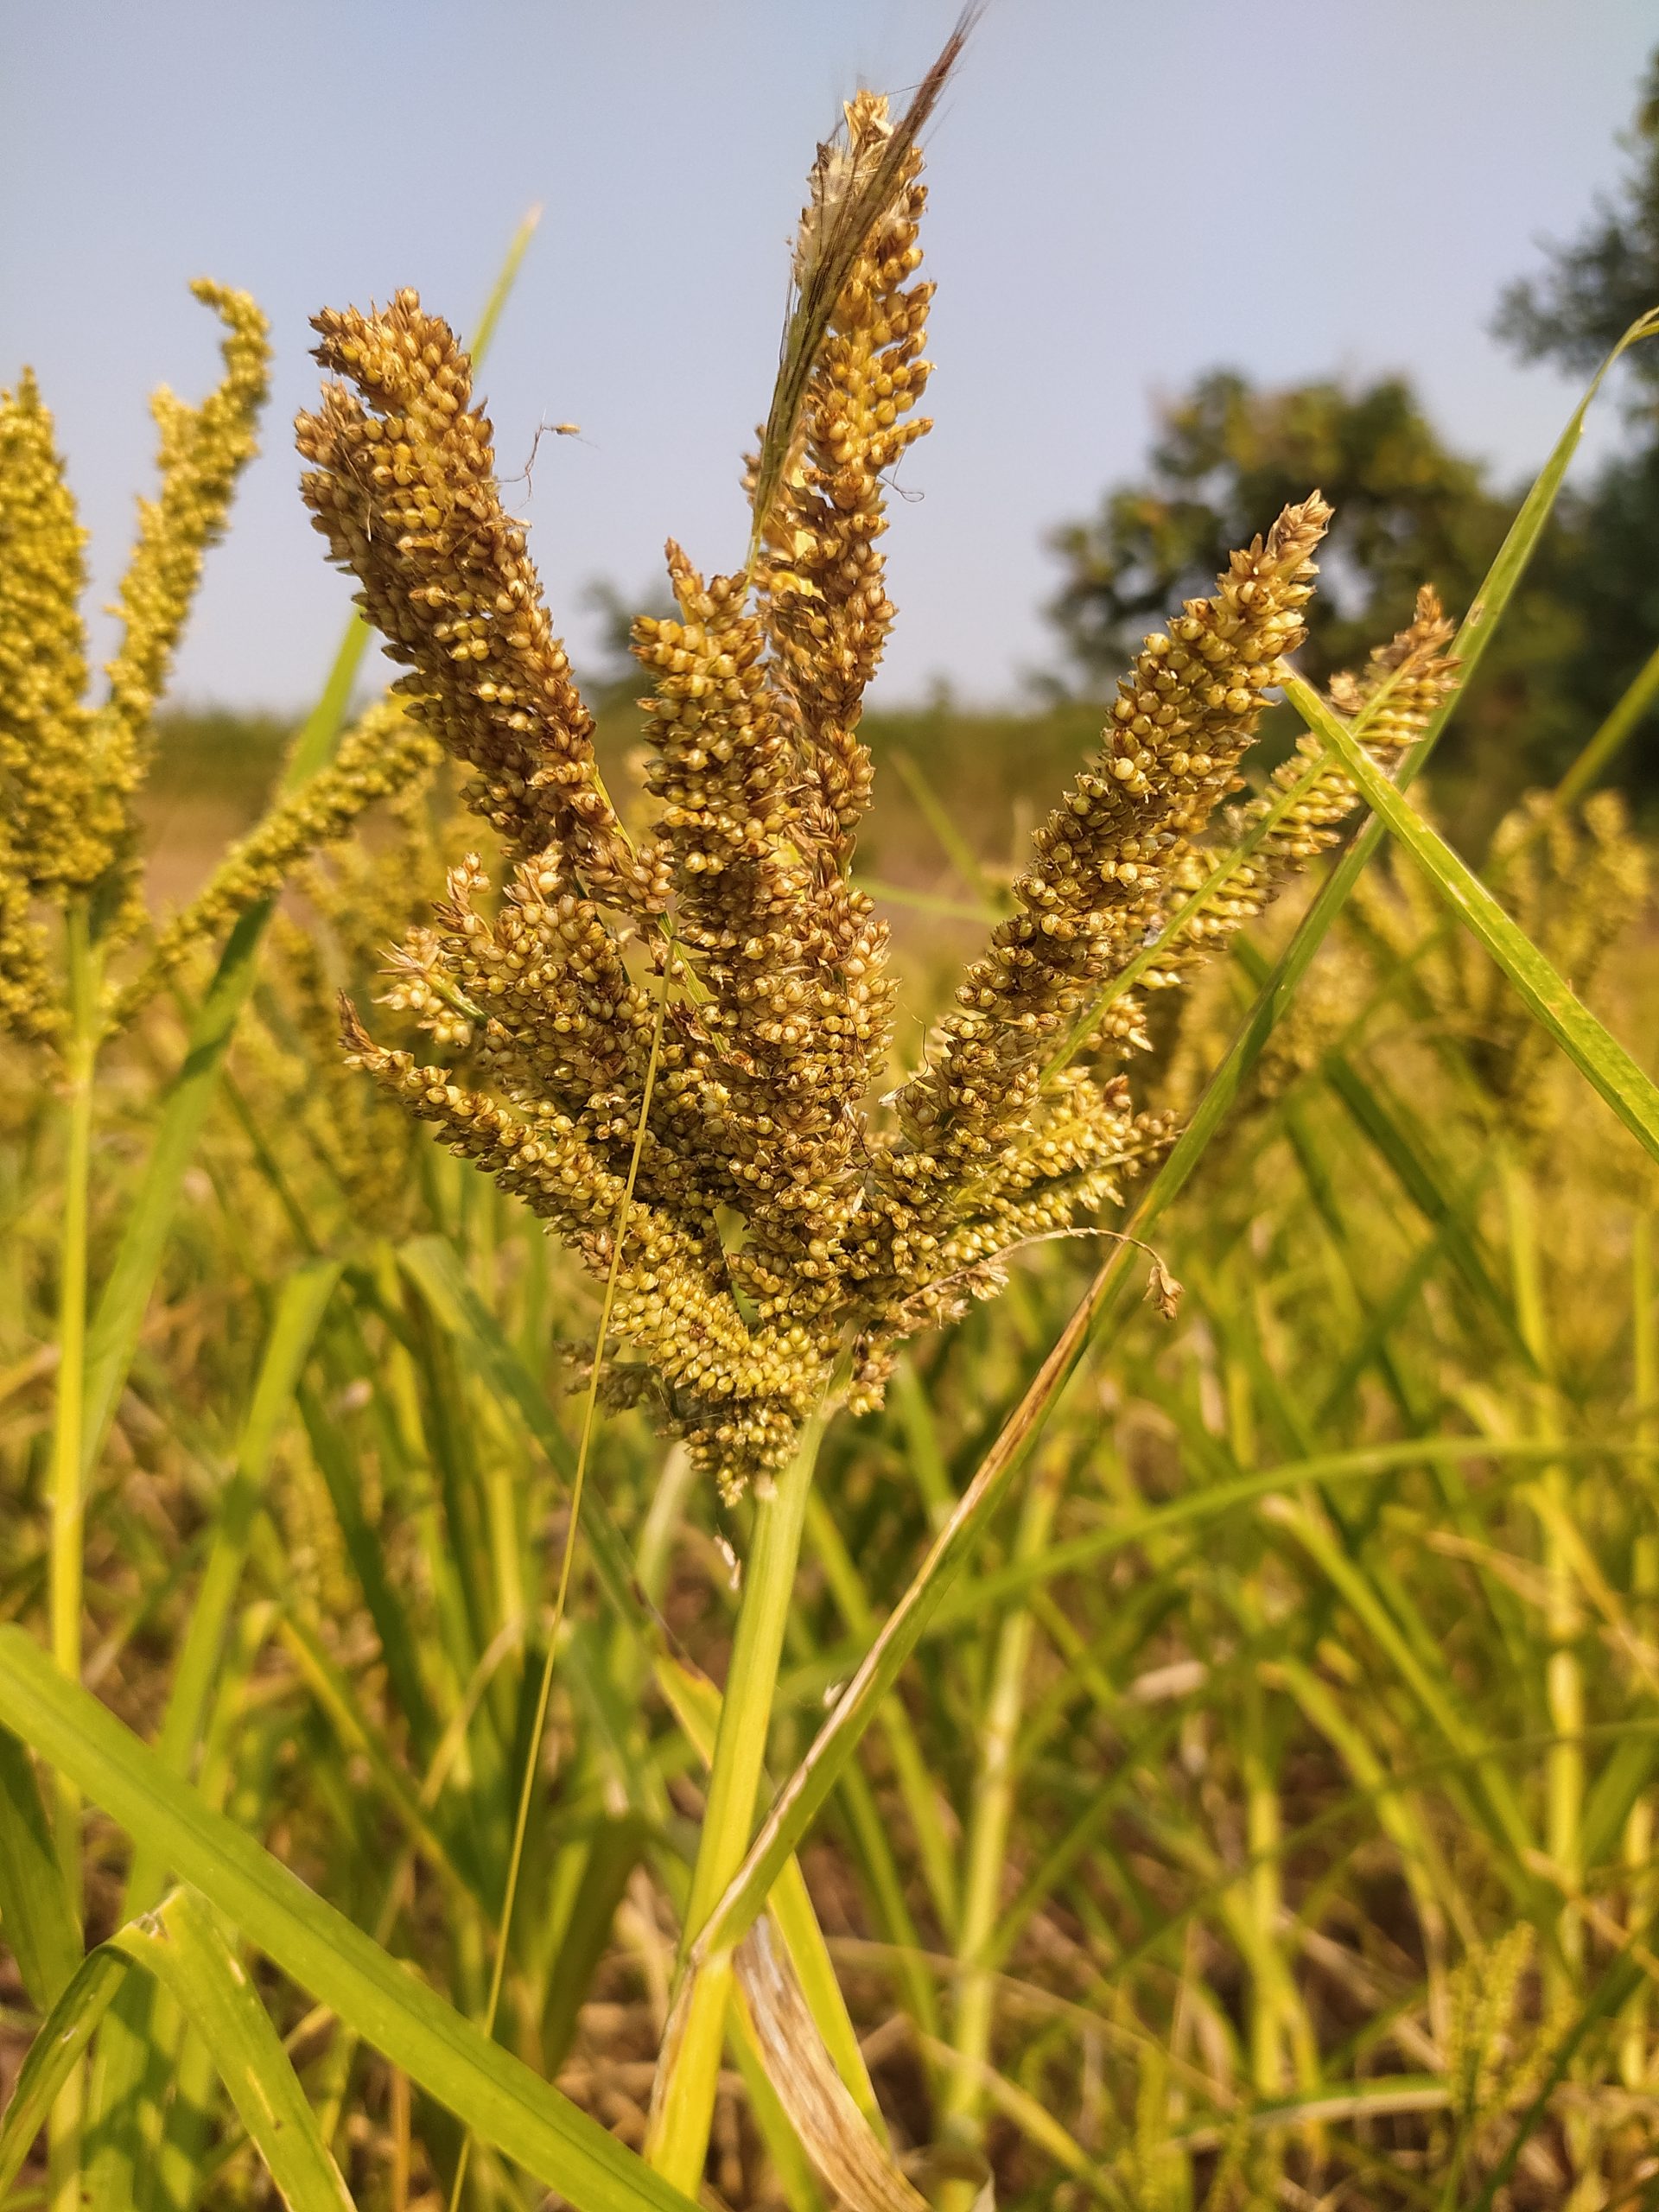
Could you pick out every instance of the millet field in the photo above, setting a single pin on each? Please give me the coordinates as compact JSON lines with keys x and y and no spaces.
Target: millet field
{"x":761,"y":1456}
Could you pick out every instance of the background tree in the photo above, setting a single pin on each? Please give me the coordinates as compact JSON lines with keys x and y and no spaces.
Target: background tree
{"x":1589,"y":293}
{"x":1228,"y":453}
{"x":1592,"y":290}
{"x":1409,"y":508}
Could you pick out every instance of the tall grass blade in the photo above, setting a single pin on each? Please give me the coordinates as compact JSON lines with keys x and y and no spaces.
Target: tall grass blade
{"x":320,"y":1948}
{"x":299,"y":1311}
{"x":533,"y":1755}
{"x":1476,"y":631}
{"x":501,"y":290}
{"x":433,"y":1265}
{"x":1614,"y":732}
{"x":1199,"y":1506}
{"x":39,"y":1929}
{"x":181,"y":1947}
{"x":803,"y":1796}
{"x":55,"y":2052}
{"x":124,"y":2054}
{"x":1598,"y":1058}
{"x":400,"y":1642}
{"x":854,"y":2162}
{"x":696,"y":1703}
{"x":683,"y":2096}
{"x":120,"y":1318}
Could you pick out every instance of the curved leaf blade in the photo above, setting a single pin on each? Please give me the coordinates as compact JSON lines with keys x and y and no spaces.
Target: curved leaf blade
{"x":181,"y":1946}
{"x":1598,"y":1055}
{"x":320,"y":1949}
{"x":36,"y":1921}
{"x":55,"y":2052}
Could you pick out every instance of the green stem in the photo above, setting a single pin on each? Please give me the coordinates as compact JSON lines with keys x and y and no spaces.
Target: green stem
{"x":1625,"y":718}
{"x":68,"y":1489}
{"x":1639,"y":1824}
{"x":996,"y":1785}
{"x":917,"y":1787}
{"x":1563,"y":1622}
{"x":539,"y":1726}
{"x":1262,"y":1898}
{"x":683,"y":2103}
{"x":1284,"y":2055}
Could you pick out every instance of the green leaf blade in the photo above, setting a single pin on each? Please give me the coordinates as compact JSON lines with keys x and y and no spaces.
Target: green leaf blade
{"x":320,"y":1949}
{"x":1598,"y":1056}
{"x":182,"y":1948}
{"x":36,"y":1921}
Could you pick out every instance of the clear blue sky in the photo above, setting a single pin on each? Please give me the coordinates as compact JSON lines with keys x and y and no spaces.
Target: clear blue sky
{"x":1125,"y":191}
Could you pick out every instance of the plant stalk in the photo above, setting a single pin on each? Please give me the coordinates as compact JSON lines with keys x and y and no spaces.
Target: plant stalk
{"x":1638,"y":1837}
{"x":67,"y":1485}
{"x":682,"y":2101}
{"x":995,"y":1786}
{"x":1563,"y":1619}
{"x":539,"y":1726}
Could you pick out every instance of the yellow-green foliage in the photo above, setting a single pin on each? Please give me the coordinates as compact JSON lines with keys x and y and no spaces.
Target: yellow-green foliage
{"x":376,"y":759}
{"x":1266,"y":1814}
{"x":68,"y":771}
{"x":60,"y":832}
{"x":202,"y":451}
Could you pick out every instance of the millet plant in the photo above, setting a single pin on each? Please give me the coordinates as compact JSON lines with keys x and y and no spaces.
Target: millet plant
{"x":665,"y":1032}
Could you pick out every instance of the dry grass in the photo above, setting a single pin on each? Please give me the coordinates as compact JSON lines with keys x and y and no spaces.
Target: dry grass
{"x":1194,"y":1753}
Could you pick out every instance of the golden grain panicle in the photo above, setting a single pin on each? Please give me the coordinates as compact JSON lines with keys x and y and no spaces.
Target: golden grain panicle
{"x":203,"y":451}
{"x":800,"y":1017}
{"x":719,"y":1001}
{"x":62,"y":826}
{"x":30,"y":1008}
{"x":68,"y":772}
{"x":378,"y":757}
{"x":1408,"y":678}
{"x":852,"y":1237}
{"x":821,"y":581}
{"x":1170,"y":754}
{"x":1402,"y":687}
{"x":1414,"y":674}
{"x":403,"y":487}
{"x":996,"y":1141}
{"x":538,"y":990}
{"x":736,"y":1397}
{"x":795,"y":1007}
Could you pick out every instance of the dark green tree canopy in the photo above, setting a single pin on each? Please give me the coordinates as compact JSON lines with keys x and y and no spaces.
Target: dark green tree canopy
{"x":1411,"y":510}
{"x":1592,"y":290}
{"x":1408,"y":511}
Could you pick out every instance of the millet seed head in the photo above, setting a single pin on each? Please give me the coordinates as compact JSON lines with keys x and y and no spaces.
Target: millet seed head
{"x":713,"y":999}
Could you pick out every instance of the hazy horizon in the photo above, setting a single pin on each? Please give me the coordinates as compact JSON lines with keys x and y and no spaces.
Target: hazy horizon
{"x":1122,"y":197}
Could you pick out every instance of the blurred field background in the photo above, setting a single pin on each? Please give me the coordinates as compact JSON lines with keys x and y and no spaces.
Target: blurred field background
{"x":1267,"y":1817}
